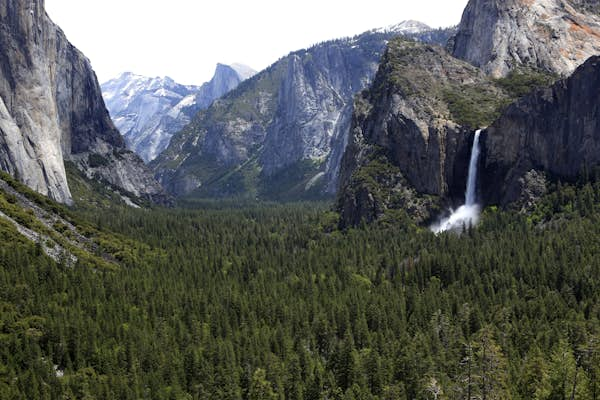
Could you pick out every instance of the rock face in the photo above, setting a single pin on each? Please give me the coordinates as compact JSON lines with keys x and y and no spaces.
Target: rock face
{"x":51,"y":110}
{"x":555,"y":131}
{"x":412,"y":133}
{"x":149,"y":111}
{"x":552,"y":35}
{"x":282,"y":133}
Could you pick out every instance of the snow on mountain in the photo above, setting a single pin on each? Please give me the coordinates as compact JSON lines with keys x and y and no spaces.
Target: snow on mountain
{"x":149,"y":111}
{"x":409,"y":27}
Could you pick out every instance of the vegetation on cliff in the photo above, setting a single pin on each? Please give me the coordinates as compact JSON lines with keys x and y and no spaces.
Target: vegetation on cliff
{"x":416,"y":121}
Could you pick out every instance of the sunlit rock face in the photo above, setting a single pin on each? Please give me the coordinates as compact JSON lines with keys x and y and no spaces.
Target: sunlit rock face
{"x":51,"y":110}
{"x":500,"y":36}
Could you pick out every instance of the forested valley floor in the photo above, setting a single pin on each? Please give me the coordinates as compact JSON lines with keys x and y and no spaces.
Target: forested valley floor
{"x":273,"y":302}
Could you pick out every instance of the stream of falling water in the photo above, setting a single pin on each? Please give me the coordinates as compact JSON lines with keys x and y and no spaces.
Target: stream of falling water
{"x":468,"y":213}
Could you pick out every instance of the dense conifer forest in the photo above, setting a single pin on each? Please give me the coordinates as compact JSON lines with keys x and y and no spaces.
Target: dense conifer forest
{"x":274,"y":302}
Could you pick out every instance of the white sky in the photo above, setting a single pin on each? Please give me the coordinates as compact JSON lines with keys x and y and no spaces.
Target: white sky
{"x":185,"y":39}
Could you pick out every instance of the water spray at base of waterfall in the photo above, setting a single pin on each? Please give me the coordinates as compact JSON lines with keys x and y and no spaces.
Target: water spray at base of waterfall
{"x":463,"y":218}
{"x":468,"y":214}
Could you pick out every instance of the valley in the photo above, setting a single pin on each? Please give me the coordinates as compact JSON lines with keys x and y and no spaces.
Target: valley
{"x":409,"y":213}
{"x":234,"y":302}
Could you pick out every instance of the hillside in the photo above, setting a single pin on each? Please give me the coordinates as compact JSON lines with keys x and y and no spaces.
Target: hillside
{"x":27,"y":219}
{"x":238,"y":302}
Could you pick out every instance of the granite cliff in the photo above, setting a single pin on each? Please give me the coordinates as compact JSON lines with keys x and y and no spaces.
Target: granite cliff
{"x":501,"y":36}
{"x":552,"y":133}
{"x":51,"y":111}
{"x":412,"y":131}
{"x":282,"y":133}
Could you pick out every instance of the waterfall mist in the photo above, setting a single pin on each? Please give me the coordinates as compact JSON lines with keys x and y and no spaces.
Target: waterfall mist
{"x":468,"y":213}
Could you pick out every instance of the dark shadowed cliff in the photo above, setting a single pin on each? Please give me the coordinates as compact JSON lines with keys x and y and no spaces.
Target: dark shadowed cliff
{"x":554,"y":131}
{"x":412,"y":131}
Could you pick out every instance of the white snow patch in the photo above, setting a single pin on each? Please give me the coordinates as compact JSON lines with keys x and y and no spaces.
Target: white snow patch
{"x":405,"y":27}
{"x":163,"y":92}
{"x":187,"y":101}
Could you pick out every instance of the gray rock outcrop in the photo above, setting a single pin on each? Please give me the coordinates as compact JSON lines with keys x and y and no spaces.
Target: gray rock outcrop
{"x":555,"y":131}
{"x":51,"y":109}
{"x":556,"y":36}
{"x":411,"y":133}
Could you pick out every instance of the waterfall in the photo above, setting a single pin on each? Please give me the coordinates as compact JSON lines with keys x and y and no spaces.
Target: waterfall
{"x":468,"y":213}
{"x":472,"y":180}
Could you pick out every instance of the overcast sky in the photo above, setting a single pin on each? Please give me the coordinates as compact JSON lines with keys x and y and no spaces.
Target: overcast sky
{"x":184,"y":39}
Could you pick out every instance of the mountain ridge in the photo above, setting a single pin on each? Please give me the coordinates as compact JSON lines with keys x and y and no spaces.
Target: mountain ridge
{"x":411,"y":132}
{"x":282,"y":133}
{"x":403,"y":153}
{"x":149,"y":110}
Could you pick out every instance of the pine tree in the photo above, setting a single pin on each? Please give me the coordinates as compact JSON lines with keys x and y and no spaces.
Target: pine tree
{"x":534,"y":378}
{"x":491,"y":375}
{"x":260,"y":387}
{"x":563,"y":373}
{"x":434,"y":388}
{"x":465,"y":382}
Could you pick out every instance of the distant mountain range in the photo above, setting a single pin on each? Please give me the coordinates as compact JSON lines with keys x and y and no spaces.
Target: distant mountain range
{"x":281,"y":134}
{"x":148,"y":111}
{"x":383,"y":119}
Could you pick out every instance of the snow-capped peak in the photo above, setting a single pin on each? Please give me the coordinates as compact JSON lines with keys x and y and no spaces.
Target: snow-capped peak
{"x":148,"y":111}
{"x":406,"y":27}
